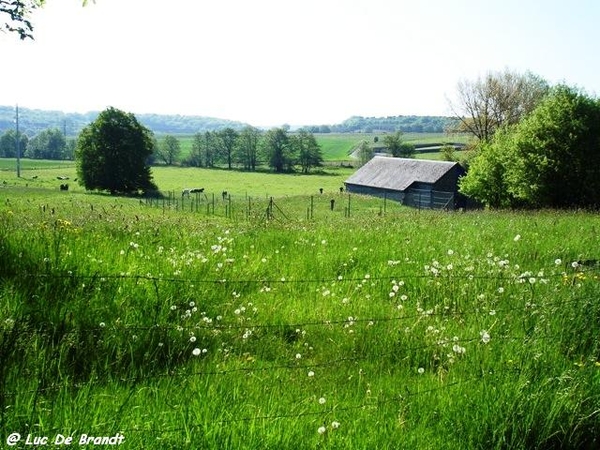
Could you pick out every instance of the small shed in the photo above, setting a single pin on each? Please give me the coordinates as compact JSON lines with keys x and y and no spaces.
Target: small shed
{"x":414,"y":182}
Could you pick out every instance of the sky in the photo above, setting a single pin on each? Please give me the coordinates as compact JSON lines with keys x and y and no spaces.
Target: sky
{"x":296,"y":62}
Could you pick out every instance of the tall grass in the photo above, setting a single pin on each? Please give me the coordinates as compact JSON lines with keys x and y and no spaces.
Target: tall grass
{"x":403,"y":329}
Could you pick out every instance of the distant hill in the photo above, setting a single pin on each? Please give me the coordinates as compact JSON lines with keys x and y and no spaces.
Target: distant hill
{"x":32,"y":121}
{"x":406,"y":124}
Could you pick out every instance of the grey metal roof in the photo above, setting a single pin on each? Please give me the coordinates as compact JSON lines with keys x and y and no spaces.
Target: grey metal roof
{"x":399,"y":173}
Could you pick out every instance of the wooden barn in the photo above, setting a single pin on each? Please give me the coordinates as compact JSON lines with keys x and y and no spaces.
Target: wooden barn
{"x":413,"y":182}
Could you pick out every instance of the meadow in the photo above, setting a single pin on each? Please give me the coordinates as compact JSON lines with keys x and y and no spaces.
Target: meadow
{"x":182,"y":326}
{"x":337,"y":147}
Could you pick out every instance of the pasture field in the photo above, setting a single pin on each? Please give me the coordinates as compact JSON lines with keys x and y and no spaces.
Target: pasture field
{"x":339,"y":146}
{"x":386,"y":329}
{"x":8,"y":165}
{"x":174,"y":179}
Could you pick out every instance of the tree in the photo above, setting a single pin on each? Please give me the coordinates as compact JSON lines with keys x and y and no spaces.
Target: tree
{"x":194,"y":158}
{"x":278,"y":151}
{"x":447,"y":152}
{"x":486,"y":179}
{"x":308,"y":150}
{"x":8,"y":144}
{"x":208,"y":147}
{"x":550,"y":159}
{"x":227,"y":138}
{"x":248,"y":144}
{"x":18,"y":12}
{"x":169,"y":150}
{"x":500,"y":98}
{"x":397,"y":147}
{"x":47,"y":144}
{"x":364,"y":153}
{"x":112,"y":154}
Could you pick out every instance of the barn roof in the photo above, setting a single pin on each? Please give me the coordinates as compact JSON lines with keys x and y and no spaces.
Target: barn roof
{"x":399,"y":173}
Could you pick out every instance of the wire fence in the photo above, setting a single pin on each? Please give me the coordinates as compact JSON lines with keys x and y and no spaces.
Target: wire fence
{"x":337,"y":363}
{"x":284,"y":208}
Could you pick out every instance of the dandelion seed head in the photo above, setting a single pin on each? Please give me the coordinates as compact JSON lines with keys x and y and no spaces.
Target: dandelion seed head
{"x":335,"y":424}
{"x":322,"y":401}
{"x":321,"y":430}
{"x":196,"y":352}
{"x":485,"y":336}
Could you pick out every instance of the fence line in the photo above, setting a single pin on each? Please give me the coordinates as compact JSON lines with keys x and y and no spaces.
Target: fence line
{"x":276,"y":367}
{"x":324,"y":412}
{"x":339,"y":362}
{"x":296,"y":325}
{"x":405,"y":276}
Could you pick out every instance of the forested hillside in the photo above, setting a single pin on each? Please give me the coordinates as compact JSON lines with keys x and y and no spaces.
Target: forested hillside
{"x":406,"y":124}
{"x":32,"y":121}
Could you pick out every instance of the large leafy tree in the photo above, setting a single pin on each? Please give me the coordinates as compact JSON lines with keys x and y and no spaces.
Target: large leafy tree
{"x":112,"y":154}
{"x":550,"y":159}
{"x":504,"y":98}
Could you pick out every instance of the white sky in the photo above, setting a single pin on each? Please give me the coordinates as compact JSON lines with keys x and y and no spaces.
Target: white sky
{"x":270,"y":62}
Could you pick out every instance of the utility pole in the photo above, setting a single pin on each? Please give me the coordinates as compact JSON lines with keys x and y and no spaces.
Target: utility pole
{"x":18,"y":144}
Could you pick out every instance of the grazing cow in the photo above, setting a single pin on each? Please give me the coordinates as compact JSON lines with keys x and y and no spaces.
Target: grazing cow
{"x":187,"y":191}
{"x":224,"y":194}
{"x":64,"y":187}
{"x":321,"y":190}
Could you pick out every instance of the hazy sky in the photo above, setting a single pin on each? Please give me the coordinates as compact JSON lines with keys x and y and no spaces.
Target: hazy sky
{"x":270,"y":62}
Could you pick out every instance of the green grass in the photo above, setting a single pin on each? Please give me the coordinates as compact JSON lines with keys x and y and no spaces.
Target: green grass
{"x":175,"y":179}
{"x":10,"y":164}
{"x":374,"y":326}
{"x":339,"y":146}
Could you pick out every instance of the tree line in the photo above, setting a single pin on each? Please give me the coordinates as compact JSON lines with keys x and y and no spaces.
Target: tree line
{"x":48,"y":144}
{"x":115,"y":151}
{"x":390,"y":124}
{"x":535,"y":146}
{"x":247,"y":149}
{"x":33,"y":121}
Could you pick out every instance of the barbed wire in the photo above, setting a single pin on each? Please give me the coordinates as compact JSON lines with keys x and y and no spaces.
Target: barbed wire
{"x":295,"y":366}
{"x":337,"y":279}
{"x":202,"y":325}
